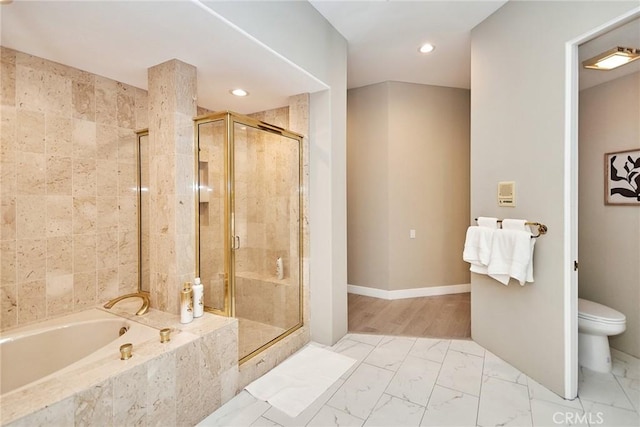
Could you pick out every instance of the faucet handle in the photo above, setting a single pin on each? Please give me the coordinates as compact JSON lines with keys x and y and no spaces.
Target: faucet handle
{"x":165,"y":335}
{"x":125,"y":351}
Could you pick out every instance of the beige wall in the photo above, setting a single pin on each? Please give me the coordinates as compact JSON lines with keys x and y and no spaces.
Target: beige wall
{"x":69,"y":215}
{"x":517,"y":133}
{"x":609,"y":246}
{"x":408,"y":168}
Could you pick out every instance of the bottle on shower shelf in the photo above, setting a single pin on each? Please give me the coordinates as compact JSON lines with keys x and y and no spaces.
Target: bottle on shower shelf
{"x":279,"y":268}
{"x":198,"y":298}
{"x":186,"y":303}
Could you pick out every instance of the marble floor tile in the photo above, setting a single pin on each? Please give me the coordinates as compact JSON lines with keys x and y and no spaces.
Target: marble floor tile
{"x":467,"y":346}
{"x":264,"y":422}
{"x":504,"y":403}
{"x":242,"y":410}
{"x":373,"y":340}
{"x":610,"y":416}
{"x":391,"y":411}
{"x":450,"y":408}
{"x":462,"y":372}
{"x":360,"y":393}
{"x":498,"y":368}
{"x":354,"y":349}
{"x":539,"y":392}
{"x":430,"y":349}
{"x":545,"y":413}
{"x":631,"y":388}
{"x":390,"y":352}
{"x":624,"y":365}
{"x":329,"y":416}
{"x":602,"y":388}
{"x":414,"y":380}
{"x":409,"y":382}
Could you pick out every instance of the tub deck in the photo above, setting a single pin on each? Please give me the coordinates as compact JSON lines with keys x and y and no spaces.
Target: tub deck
{"x":174,"y":383}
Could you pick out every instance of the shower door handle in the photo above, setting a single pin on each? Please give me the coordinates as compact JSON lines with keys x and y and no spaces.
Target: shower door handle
{"x":235,"y":245}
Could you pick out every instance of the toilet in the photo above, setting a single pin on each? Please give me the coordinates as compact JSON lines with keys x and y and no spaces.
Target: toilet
{"x":596,"y":322}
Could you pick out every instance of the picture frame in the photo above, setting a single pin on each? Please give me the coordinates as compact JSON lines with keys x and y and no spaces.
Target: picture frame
{"x":622,"y":178}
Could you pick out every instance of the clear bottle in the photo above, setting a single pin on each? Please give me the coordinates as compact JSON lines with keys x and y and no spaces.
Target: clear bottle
{"x":198,"y":298}
{"x":186,"y":303}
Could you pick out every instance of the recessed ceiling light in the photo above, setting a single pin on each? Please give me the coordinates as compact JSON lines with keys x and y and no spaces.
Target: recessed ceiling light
{"x":239,"y":92}
{"x":426,"y":48}
{"x":612,"y":58}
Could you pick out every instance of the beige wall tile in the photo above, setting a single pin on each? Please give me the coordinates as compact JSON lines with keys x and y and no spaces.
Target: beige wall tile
{"x":84,"y":177}
{"x":84,"y":252}
{"x":8,"y":77}
{"x":59,"y":135}
{"x":31,"y":173}
{"x":84,"y":139}
{"x":32,"y":297}
{"x":59,"y":294}
{"x":94,"y":406}
{"x":161,"y":392}
{"x":31,"y":218}
{"x":58,"y":175}
{"x":130,"y":397}
{"x":107,"y":178}
{"x":84,"y":290}
{"x":106,"y":142}
{"x":31,"y":259}
{"x":84,"y":215}
{"x":84,"y":101}
{"x":30,"y":131}
{"x":59,"y":211}
{"x":106,"y":101}
{"x":107,"y":284}
{"x":9,"y":306}
{"x":59,"y":255}
{"x":107,"y":214}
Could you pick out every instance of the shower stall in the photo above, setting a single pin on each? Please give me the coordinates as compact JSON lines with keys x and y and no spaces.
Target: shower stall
{"x":249,"y":239}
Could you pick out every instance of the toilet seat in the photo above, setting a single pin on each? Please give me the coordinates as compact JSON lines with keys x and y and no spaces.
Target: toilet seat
{"x":589,"y":310}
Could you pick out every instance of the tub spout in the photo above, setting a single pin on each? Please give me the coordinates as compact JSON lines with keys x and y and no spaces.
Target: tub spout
{"x":141,"y":311}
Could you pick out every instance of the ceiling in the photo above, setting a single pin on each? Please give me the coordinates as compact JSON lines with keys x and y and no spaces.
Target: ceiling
{"x":122,"y":39}
{"x":384,"y":37}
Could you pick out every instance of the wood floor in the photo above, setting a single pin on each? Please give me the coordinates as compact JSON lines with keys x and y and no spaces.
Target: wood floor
{"x":445,"y":316}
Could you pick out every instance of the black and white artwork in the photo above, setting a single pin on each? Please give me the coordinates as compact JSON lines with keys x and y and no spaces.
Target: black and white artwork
{"x":622,"y":178}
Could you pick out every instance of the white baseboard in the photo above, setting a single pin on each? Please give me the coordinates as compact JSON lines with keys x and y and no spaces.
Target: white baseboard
{"x":409,"y":293}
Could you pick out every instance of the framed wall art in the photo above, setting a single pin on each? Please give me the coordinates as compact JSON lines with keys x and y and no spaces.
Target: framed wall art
{"x":622,"y":178}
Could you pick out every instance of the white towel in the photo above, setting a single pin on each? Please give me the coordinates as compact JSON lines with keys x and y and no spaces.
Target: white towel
{"x":488,"y":222}
{"x":477,"y":244}
{"x":512,"y":253}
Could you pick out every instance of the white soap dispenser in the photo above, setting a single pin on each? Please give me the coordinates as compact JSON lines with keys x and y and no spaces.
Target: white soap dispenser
{"x":198,"y":298}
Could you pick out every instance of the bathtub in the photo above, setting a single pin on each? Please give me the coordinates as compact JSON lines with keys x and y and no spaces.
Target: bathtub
{"x":34,"y":353}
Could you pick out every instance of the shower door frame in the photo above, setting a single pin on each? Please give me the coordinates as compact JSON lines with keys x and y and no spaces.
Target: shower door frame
{"x":230,"y":119}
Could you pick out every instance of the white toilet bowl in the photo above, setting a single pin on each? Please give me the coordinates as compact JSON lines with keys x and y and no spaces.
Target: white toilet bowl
{"x":595,"y":323}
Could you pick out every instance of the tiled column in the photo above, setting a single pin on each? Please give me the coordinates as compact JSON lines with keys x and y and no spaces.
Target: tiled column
{"x":172,"y":106}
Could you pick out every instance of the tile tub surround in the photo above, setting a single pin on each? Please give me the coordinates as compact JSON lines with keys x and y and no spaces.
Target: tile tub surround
{"x":68,"y":218}
{"x":176,"y":383}
{"x":434,"y":382}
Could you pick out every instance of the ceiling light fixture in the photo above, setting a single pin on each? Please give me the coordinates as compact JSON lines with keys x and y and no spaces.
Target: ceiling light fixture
{"x":426,"y":48}
{"x":613,"y":58}
{"x":239,"y":92}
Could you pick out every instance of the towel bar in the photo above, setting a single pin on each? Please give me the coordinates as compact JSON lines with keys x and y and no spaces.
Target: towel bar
{"x":542,"y":229}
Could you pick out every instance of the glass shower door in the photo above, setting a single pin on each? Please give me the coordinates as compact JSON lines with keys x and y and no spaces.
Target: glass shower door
{"x":213,"y":245}
{"x":266,"y":230}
